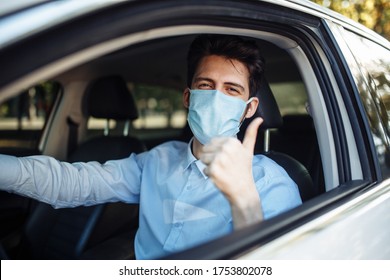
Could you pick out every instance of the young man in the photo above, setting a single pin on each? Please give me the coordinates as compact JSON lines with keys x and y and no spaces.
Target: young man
{"x":188,"y":193}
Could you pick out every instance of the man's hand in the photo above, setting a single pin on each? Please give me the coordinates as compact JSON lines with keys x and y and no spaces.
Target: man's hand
{"x":229,"y":165}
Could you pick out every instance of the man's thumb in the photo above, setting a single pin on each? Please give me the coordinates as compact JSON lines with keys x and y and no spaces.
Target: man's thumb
{"x":250,"y":137}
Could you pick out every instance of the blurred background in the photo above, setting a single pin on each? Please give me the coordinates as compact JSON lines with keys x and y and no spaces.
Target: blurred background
{"x":375,"y":14}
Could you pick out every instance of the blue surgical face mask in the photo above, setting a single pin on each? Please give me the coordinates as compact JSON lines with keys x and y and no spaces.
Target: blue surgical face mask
{"x":213,"y":113}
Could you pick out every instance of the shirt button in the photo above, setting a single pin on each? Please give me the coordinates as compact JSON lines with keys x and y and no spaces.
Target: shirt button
{"x":177,"y":225}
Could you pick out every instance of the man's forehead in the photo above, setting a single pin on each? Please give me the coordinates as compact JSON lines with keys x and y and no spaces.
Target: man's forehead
{"x":229,"y":70}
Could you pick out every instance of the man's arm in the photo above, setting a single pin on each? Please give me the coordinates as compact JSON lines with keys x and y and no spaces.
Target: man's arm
{"x":63,"y":184}
{"x":229,"y":165}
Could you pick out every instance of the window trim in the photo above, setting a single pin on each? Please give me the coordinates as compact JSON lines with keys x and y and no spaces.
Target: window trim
{"x":360,"y":125}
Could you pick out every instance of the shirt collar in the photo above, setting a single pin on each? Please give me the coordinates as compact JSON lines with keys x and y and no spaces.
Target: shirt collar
{"x":190,"y":158}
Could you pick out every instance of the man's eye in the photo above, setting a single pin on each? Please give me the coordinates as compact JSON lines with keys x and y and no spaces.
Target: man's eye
{"x":204,"y":86}
{"x":234,"y":91}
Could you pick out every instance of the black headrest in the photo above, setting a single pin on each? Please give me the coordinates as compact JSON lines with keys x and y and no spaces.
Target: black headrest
{"x":268,"y":109}
{"x":109,"y":98}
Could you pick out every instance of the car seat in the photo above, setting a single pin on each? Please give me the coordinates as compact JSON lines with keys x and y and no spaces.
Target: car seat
{"x":97,"y":232}
{"x":269,"y":111}
{"x":297,"y":137}
{"x":108,"y":98}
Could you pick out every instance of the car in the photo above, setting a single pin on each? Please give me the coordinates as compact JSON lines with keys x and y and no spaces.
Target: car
{"x":325,"y":103}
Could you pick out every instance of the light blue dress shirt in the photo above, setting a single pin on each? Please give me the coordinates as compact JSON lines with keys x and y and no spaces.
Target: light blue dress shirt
{"x":180,"y":207}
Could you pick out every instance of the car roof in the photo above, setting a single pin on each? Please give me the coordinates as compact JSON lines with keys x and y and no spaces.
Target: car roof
{"x":19,"y":18}
{"x":10,"y":7}
{"x":24,"y":20}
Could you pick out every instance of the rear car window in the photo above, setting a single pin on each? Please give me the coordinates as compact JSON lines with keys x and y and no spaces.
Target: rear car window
{"x":161,"y":115}
{"x":291,"y":97}
{"x":159,"y":107}
{"x":23,"y":117}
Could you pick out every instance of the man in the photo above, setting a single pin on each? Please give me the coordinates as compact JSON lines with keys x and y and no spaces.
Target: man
{"x":188,"y":193}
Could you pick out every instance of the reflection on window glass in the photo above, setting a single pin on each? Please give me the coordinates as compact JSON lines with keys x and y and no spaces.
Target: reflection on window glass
{"x":374,"y":89}
{"x":375,"y":65}
{"x":23,"y":117}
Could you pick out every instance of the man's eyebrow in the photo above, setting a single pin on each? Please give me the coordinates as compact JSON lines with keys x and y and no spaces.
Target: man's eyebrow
{"x":203,"y":79}
{"x":236,"y":85}
{"x":226,"y":83}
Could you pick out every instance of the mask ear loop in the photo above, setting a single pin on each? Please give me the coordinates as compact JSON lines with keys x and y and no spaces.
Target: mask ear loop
{"x":246,"y":109}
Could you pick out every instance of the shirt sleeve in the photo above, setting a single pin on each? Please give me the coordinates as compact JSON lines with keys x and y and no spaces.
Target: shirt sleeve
{"x":278,"y":192}
{"x":63,"y":184}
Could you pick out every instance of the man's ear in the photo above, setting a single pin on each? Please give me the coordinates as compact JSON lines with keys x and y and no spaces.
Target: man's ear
{"x":186,"y":98}
{"x":252,"y":107}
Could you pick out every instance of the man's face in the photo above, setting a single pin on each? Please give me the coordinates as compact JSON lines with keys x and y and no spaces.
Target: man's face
{"x":226,"y":75}
{"x":218,"y":73}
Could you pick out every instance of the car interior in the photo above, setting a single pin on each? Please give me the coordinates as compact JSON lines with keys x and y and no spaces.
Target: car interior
{"x":129,"y":100}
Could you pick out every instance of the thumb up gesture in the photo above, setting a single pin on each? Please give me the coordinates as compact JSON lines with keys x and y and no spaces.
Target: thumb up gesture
{"x":229,"y":164}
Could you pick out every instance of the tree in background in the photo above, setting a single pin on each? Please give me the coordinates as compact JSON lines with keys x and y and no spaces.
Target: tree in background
{"x":375,"y":14}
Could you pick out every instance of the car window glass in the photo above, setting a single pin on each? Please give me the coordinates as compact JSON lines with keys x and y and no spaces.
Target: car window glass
{"x":23,"y":117}
{"x":374,"y":65}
